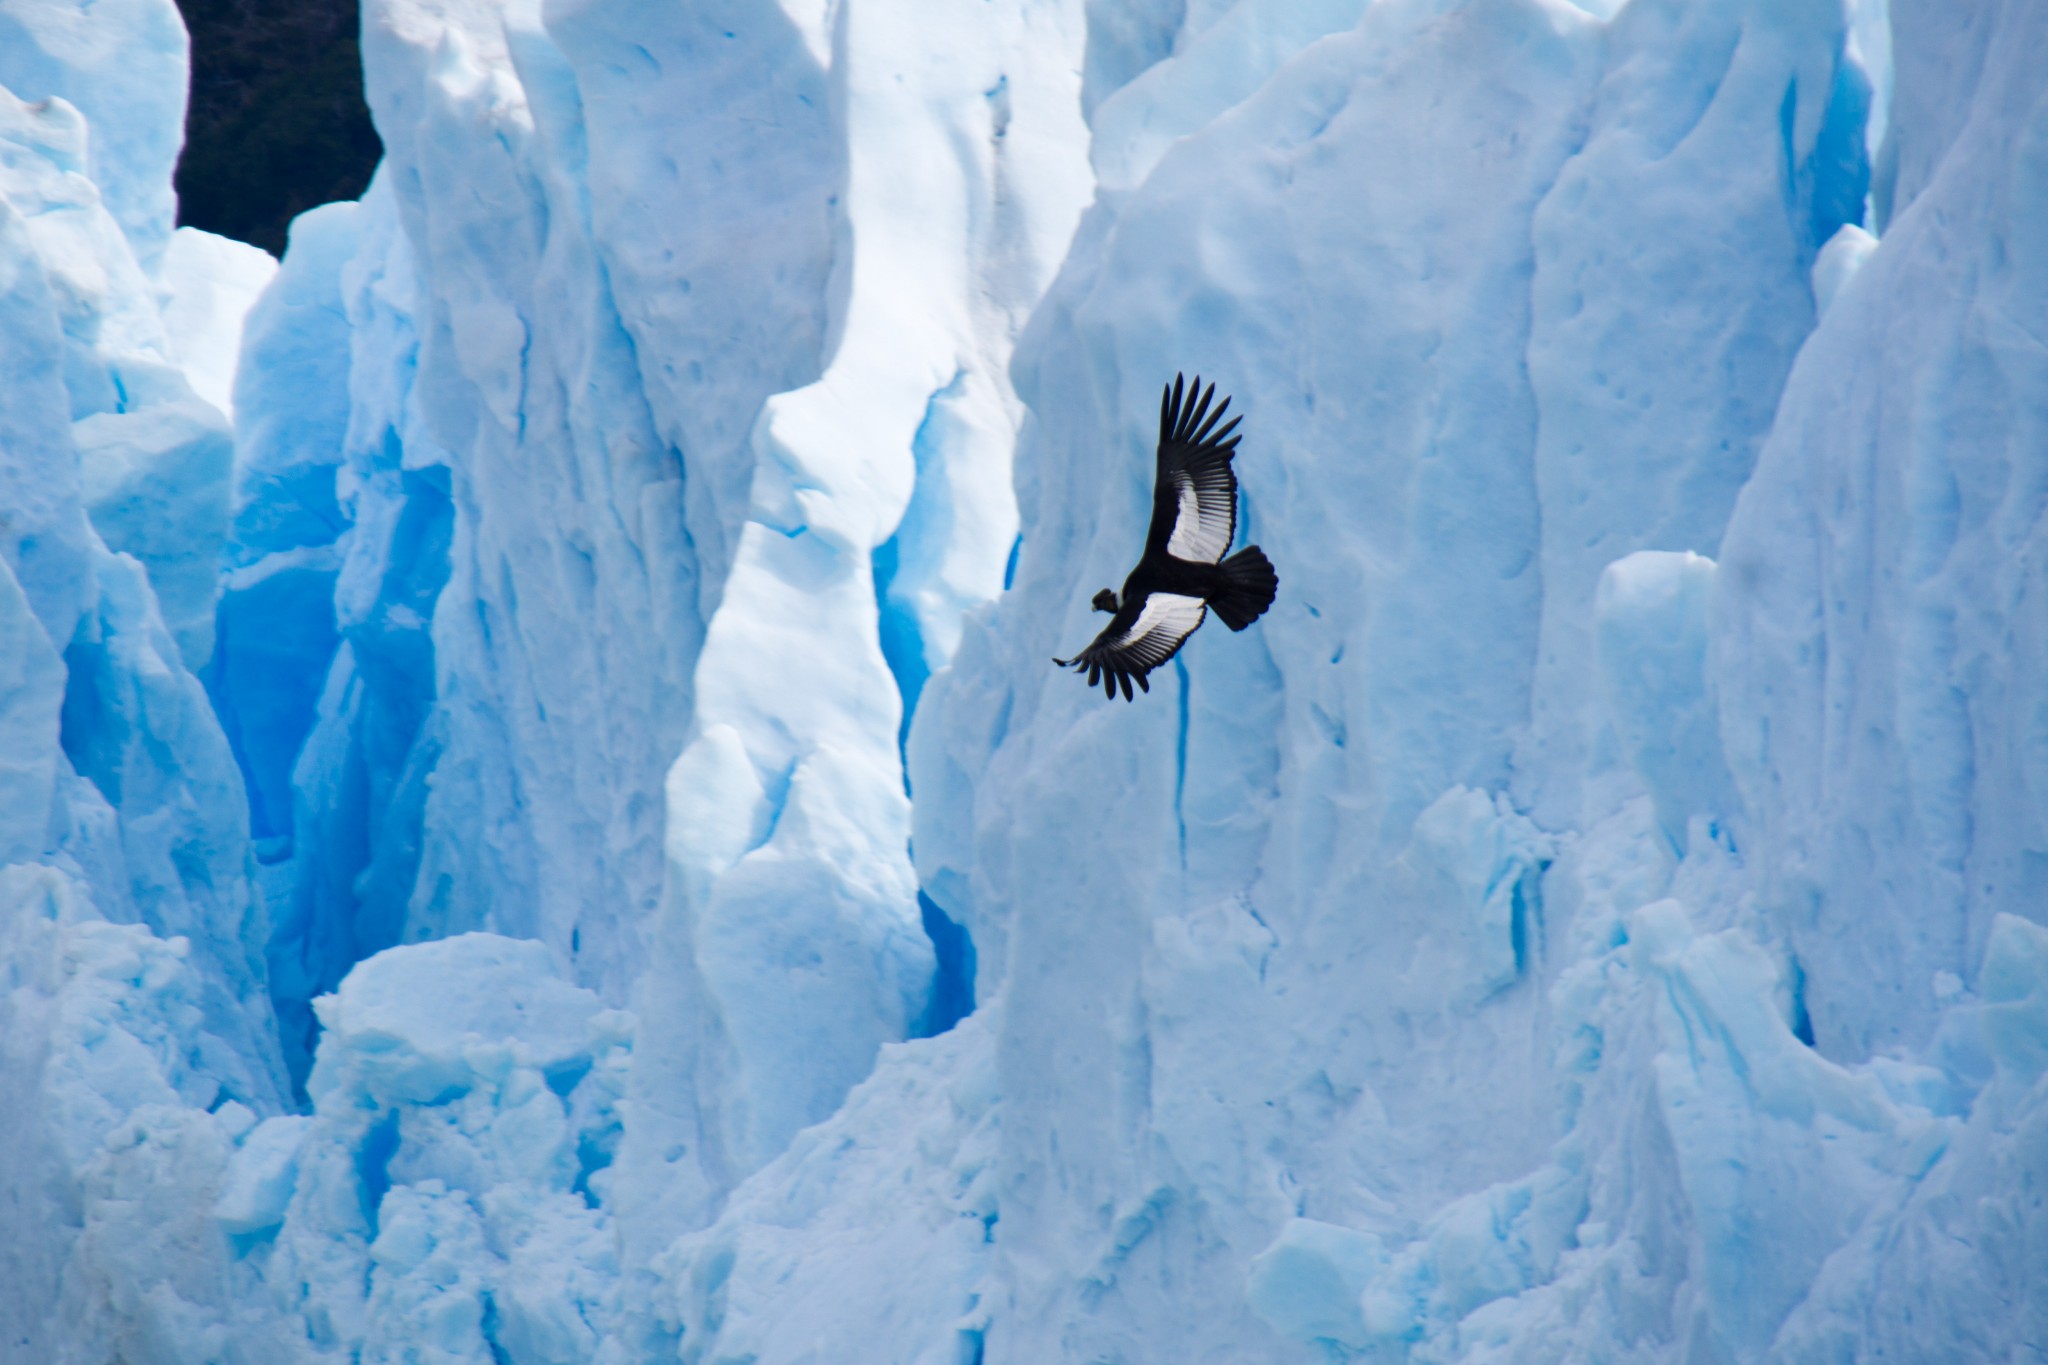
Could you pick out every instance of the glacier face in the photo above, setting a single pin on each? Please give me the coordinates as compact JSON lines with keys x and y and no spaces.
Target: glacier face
{"x":506,"y":786}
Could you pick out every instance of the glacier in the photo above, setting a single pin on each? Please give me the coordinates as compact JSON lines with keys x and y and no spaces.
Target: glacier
{"x":537,"y":825}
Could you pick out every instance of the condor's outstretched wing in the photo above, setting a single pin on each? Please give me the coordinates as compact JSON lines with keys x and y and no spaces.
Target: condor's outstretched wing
{"x":1194,"y":497}
{"x":1139,"y":638}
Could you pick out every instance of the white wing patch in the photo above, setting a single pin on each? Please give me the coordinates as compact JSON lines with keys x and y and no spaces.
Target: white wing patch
{"x":1187,"y":520}
{"x":1167,"y":619}
{"x":1206,"y":516}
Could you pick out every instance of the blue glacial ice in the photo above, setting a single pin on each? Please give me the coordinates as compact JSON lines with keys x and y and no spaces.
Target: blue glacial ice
{"x":526,"y":725}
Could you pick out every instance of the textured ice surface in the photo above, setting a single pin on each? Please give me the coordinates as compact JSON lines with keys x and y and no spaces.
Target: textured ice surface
{"x":122,"y":65}
{"x":870,"y":1235}
{"x":155,"y":484}
{"x":1880,"y":625}
{"x":447,"y":1193}
{"x":1650,"y":643}
{"x":1594,"y":915}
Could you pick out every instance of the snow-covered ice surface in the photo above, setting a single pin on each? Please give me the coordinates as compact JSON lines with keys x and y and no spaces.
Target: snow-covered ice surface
{"x":205,"y":287}
{"x":524,"y":727}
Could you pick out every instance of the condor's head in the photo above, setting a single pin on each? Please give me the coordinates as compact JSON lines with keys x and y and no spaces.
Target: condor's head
{"x":1106,"y":601}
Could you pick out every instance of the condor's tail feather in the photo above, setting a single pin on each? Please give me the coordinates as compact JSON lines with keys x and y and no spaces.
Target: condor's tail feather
{"x":1248,"y":587}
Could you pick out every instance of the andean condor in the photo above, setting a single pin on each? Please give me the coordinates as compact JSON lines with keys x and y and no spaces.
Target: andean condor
{"x":1194,"y":518}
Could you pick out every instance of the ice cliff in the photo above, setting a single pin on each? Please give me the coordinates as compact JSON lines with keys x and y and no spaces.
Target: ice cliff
{"x":537,"y":825}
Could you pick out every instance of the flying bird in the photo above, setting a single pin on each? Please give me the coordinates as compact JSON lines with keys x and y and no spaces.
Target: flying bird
{"x":1182,"y":574}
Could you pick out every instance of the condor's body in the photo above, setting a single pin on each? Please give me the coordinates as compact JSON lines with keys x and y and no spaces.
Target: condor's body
{"x":1182,"y":573}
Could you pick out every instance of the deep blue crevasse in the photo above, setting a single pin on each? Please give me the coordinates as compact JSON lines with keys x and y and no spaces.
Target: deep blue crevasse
{"x":338,"y":887}
{"x":902,"y":643}
{"x":953,"y":981}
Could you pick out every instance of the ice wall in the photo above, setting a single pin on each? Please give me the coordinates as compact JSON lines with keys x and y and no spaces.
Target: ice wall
{"x":546,"y":460}
{"x":1272,"y":925}
{"x":1881,"y":616}
{"x":1592,"y":916}
{"x":138,"y":1039}
{"x":1878,"y":637}
{"x":561,"y":684}
{"x":1634,"y":449}
{"x":1431,"y":980}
